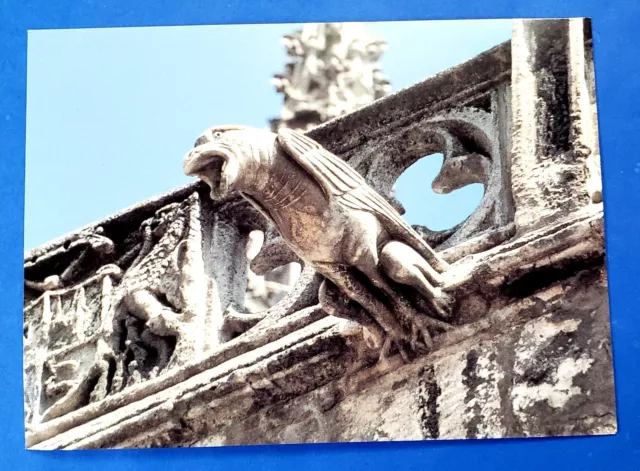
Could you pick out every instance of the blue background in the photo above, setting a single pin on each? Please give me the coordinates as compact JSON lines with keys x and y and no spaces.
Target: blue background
{"x":617,"y":41}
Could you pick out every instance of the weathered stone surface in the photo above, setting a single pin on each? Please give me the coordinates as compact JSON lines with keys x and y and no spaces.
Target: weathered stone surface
{"x":537,"y":364}
{"x":541,"y":374}
{"x":555,"y":159}
{"x":138,"y":332}
{"x":513,"y":381}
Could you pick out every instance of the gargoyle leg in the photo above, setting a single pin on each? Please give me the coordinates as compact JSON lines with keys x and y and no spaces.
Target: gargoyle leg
{"x":336,"y":304}
{"x":405,"y":266}
{"x":160,"y":319}
{"x":359,"y":293}
{"x":367,"y":262}
{"x":419,"y":324}
{"x":164,"y":353}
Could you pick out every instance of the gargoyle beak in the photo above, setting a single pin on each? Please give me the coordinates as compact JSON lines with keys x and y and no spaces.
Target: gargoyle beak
{"x":209,"y":163}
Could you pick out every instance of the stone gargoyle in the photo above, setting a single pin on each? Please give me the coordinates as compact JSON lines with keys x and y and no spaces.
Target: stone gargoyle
{"x":378,"y":271}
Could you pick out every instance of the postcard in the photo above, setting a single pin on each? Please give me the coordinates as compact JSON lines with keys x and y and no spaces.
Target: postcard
{"x":306,"y":233}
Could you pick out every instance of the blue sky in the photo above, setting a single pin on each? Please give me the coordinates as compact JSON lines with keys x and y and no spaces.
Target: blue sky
{"x":111,"y":112}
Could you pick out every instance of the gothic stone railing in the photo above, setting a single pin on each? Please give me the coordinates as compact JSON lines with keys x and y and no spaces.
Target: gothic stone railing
{"x":134,"y":331}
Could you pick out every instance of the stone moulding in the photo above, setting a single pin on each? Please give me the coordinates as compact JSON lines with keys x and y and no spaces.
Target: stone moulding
{"x":135,"y":334}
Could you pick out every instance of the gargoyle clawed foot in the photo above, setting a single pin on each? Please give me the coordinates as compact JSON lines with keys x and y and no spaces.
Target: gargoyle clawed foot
{"x":377,"y":339}
{"x":420,"y":341}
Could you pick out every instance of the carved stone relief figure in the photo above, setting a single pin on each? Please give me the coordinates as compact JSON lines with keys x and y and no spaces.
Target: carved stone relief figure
{"x":67,"y":362}
{"x":128,"y":322}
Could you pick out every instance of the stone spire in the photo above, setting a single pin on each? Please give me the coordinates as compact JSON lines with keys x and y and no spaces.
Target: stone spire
{"x":333,"y":70}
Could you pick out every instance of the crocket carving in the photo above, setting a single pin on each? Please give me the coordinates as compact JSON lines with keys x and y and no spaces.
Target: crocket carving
{"x":336,"y":223}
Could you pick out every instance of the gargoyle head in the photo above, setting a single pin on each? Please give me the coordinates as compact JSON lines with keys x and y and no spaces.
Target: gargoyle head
{"x":223,"y":155}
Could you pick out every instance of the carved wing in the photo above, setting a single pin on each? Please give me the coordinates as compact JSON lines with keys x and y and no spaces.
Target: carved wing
{"x":343,"y":184}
